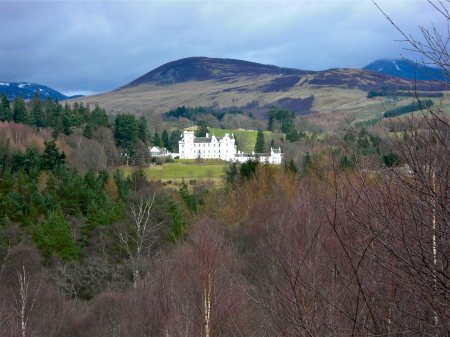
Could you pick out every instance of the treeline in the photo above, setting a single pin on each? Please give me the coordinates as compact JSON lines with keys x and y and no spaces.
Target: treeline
{"x":417,"y":105}
{"x":215,"y":118}
{"x":52,"y":114}
{"x":130,"y":135}
{"x":402,"y":93}
{"x":195,"y":114}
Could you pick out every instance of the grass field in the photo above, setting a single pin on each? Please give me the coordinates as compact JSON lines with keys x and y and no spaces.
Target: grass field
{"x":380,"y":106}
{"x":187,"y":169}
{"x":248,"y":134}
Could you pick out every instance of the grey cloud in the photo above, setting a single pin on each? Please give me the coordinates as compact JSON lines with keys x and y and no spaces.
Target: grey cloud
{"x":95,"y":46}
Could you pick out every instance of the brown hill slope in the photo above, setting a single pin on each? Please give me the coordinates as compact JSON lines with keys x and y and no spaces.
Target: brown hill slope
{"x":226,"y":83}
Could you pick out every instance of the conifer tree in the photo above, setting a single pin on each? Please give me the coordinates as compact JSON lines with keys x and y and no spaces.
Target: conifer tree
{"x":5,"y":109}
{"x":98,"y":118}
{"x":51,"y":157}
{"x":174,"y":139}
{"x":260,"y":142}
{"x":49,"y":111}
{"x":20,"y":114}
{"x":54,"y":236}
{"x":37,"y":116}
{"x":202,"y":129}
{"x":126,"y":131}
{"x":87,"y":131}
{"x":66,"y":125}
{"x":165,"y":139}
{"x":143,"y":130}
{"x":156,"y":139}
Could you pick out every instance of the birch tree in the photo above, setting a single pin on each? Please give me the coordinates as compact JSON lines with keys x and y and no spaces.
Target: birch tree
{"x":138,"y":234}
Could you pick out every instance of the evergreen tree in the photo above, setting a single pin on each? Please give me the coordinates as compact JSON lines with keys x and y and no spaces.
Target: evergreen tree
{"x":98,"y":118}
{"x":307,"y":164}
{"x":87,"y":131}
{"x":50,"y":108}
{"x":74,"y":113}
{"x":126,"y":131}
{"x":20,"y":114}
{"x":54,"y":236}
{"x":202,"y":129}
{"x":60,"y":120}
{"x":51,"y":157}
{"x":165,"y":139}
{"x":156,"y":139}
{"x":37,"y":116}
{"x":179,"y":227}
{"x":260,"y":142}
{"x":66,"y":125}
{"x":272,"y":118}
{"x":6,"y":113}
{"x":143,"y":130}
{"x":174,"y":139}
{"x":291,"y":167}
{"x":188,"y":198}
{"x":293,"y":136}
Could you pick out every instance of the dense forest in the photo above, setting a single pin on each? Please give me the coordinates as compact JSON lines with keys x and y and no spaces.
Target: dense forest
{"x":353,"y":241}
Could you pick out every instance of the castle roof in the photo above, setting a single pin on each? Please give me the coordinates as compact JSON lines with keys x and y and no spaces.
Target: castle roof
{"x":202,"y":139}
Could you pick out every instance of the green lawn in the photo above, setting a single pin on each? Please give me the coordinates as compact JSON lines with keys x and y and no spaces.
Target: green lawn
{"x":187,"y":169}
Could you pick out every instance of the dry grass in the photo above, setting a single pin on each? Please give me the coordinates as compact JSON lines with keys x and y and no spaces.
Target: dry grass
{"x":159,"y":98}
{"x":239,"y":91}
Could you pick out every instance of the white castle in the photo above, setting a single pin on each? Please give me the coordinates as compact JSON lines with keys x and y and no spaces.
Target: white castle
{"x":191,"y":147}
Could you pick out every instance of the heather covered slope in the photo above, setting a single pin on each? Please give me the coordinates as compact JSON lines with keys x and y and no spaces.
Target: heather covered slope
{"x":225,"y":83}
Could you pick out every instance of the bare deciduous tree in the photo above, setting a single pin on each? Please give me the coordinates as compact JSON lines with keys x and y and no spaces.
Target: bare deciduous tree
{"x":138,"y":235}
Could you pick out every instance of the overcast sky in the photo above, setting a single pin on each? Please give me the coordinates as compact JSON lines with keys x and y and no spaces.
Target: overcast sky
{"x":96,"y":46}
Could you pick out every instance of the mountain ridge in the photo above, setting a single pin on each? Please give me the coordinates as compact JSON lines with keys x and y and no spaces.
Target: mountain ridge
{"x":229,"y":83}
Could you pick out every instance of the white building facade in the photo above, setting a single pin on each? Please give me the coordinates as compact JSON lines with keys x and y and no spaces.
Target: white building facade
{"x":191,"y":147}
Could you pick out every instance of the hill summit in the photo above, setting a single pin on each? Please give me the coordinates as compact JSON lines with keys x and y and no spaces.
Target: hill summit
{"x":204,"y":69}
{"x":406,"y":68}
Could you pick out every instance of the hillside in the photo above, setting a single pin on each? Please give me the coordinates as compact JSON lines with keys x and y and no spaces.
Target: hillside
{"x":226,"y":83}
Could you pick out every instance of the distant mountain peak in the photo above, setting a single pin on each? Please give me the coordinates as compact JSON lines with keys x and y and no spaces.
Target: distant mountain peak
{"x":28,"y":90}
{"x":405,"y":68}
{"x":205,"y":68}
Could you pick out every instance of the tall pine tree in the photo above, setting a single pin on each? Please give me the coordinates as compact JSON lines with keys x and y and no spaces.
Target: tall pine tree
{"x":260,"y":142}
{"x":37,"y":116}
{"x":5,"y":109}
{"x":98,"y":118}
{"x":156,"y":139}
{"x":174,"y":139}
{"x":165,"y":139}
{"x":20,"y":113}
{"x":143,"y":130}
